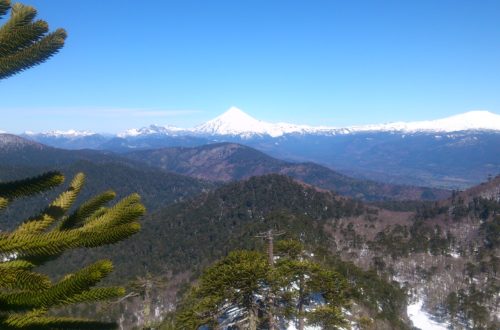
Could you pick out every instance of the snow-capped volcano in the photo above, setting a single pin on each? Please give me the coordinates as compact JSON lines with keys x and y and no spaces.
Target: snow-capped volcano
{"x":236,"y":122}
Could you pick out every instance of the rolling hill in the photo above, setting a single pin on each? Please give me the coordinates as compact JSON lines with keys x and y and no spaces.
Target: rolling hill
{"x":231,"y":162}
{"x":21,"y":158}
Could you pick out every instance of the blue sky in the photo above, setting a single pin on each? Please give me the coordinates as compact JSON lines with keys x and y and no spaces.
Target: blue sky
{"x":181,"y":62}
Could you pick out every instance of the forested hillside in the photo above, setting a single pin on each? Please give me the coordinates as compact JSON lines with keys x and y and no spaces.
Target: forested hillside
{"x":180,"y":240}
{"x":446,"y":253}
{"x":229,"y":162}
{"x":20,"y":158}
{"x":443,"y":253}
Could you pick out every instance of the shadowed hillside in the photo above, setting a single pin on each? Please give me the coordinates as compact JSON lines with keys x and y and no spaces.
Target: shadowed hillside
{"x":230,"y":162}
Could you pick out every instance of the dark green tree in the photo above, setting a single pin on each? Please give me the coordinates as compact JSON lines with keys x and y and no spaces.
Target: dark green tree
{"x":24,"y":41}
{"x":232,"y":284}
{"x":235,"y":292}
{"x":307,"y":291}
{"x":26,"y":296}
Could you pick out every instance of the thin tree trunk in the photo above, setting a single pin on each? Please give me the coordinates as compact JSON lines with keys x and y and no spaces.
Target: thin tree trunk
{"x":252,"y":319}
{"x":301,"y":316}
{"x":270,"y":312}
{"x":270,"y":254}
{"x":147,"y":303}
{"x":301,"y":304}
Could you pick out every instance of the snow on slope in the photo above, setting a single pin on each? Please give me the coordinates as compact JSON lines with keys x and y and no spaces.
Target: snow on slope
{"x":472,"y":120}
{"x":237,"y":123}
{"x":421,"y":319}
{"x":62,"y":134}
{"x":151,"y":130}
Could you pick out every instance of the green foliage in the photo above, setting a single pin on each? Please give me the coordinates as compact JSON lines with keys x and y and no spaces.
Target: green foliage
{"x":27,"y":187}
{"x":26,"y":295}
{"x":386,"y":301}
{"x":468,"y":307}
{"x":300,"y":282}
{"x":399,"y":241}
{"x":231,"y":283}
{"x":242,"y":289}
{"x":232,"y":215}
{"x":491,"y":232}
{"x":488,"y":210}
{"x":289,"y":249}
{"x":327,"y":317}
{"x":24,"y":41}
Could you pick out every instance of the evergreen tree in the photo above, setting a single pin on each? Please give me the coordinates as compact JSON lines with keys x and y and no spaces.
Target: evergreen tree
{"x":235,"y":291}
{"x":228,"y":293}
{"x":24,"y":41}
{"x":26,"y":295}
{"x":308,"y":292}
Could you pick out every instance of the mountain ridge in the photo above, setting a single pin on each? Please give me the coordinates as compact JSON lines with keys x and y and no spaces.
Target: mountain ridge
{"x":231,"y":162}
{"x":235,"y":122}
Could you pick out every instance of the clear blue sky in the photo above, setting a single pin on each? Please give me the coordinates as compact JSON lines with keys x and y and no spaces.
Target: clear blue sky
{"x":131,"y":63}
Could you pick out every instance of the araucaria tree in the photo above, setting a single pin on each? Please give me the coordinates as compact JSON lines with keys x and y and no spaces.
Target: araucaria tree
{"x":229,"y":293}
{"x":24,"y":41}
{"x":307,"y":291}
{"x":26,"y":295}
{"x":236,"y":292}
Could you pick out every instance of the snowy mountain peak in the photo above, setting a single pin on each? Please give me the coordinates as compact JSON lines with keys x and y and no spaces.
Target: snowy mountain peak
{"x":234,"y":113}
{"x":472,"y":120}
{"x":234,"y":122}
{"x":479,"y":118}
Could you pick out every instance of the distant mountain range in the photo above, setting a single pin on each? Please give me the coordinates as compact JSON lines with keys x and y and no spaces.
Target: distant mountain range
{"x":21,"y":158}
{"x":231,"y":162}
{"x":235,"y":122}
{"x":455,"y":152}
{"x":184,"y":167}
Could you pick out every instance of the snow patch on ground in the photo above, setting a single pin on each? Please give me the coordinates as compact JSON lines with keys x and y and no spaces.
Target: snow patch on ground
{"x":421,"y":319}
{"x":455,"y":255}
{"x":291,"y":326}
